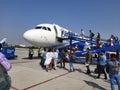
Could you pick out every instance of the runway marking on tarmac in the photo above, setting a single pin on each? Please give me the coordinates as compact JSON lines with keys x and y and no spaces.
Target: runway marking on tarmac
{"x":45,"y":81}
{"x":14,"y":88}
{"x":22,"y":62}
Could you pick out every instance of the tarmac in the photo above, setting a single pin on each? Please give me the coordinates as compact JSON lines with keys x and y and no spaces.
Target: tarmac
{"x":26,"y":74}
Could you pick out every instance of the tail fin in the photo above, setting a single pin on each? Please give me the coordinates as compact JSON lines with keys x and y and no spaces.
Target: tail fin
{"x":3,"y":41}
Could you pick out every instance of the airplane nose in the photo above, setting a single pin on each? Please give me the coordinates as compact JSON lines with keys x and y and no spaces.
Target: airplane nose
{"x":27,"y":35}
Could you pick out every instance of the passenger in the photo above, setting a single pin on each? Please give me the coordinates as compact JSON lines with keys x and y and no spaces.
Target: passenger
{"x":98,"y":41}
{"x":49,"y":59}
{"x":39,"y":53}
{"x":59,"y":56}
{"x":55,"y":58}
{"x":102,"y":61}
{"x":5,"y":65}
{"x":43,"y":58}
{"x":87,"y":45}
{"x":116,"y":41}
{"x":75,"y":48}
{"x":88,"y":60}
{"x":52,"y":64}
{"x":63,"y":59}
{"x":91,"y":35}
{"x":82,"y":33}
{"x":101,"y":45}
{"x":114,"y":71}
{"x":31,"y":53}
{"x":111,"y":40}
{"x":71,"y":58}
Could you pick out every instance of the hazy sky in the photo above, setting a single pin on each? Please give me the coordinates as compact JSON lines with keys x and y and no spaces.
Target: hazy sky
{"x":17,"y":16}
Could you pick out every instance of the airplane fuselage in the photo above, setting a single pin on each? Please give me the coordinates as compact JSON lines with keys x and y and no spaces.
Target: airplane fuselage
{"x":44,"y":35}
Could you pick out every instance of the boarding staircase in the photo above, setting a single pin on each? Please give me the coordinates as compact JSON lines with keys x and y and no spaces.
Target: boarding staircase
{"x":81,"y":41}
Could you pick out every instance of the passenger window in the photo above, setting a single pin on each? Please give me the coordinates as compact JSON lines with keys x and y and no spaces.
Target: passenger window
{"x":38,"y":27}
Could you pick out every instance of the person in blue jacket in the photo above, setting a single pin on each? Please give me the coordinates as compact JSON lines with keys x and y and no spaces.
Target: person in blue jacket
{"x":102,"y":61}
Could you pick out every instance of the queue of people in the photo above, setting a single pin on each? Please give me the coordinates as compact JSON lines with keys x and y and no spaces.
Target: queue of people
{"x":113,"y":40}
{"x":105,"y":66}
{"x":52,"y":56}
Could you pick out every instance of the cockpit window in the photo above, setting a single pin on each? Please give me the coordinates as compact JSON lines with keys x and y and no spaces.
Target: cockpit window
{"x":38,"y":27}
{"x":48,"y":29}
{"x":43,"y":28}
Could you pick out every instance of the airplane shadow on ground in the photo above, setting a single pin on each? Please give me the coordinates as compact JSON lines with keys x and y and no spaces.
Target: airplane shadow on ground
{"x":94,"y":85}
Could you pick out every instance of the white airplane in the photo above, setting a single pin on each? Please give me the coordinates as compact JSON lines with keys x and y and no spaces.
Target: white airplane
{"x":47,"y":35}
{"x":52,"y":35}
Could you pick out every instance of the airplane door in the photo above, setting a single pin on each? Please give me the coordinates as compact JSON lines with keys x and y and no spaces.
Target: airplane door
{"x":56,"y":31}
